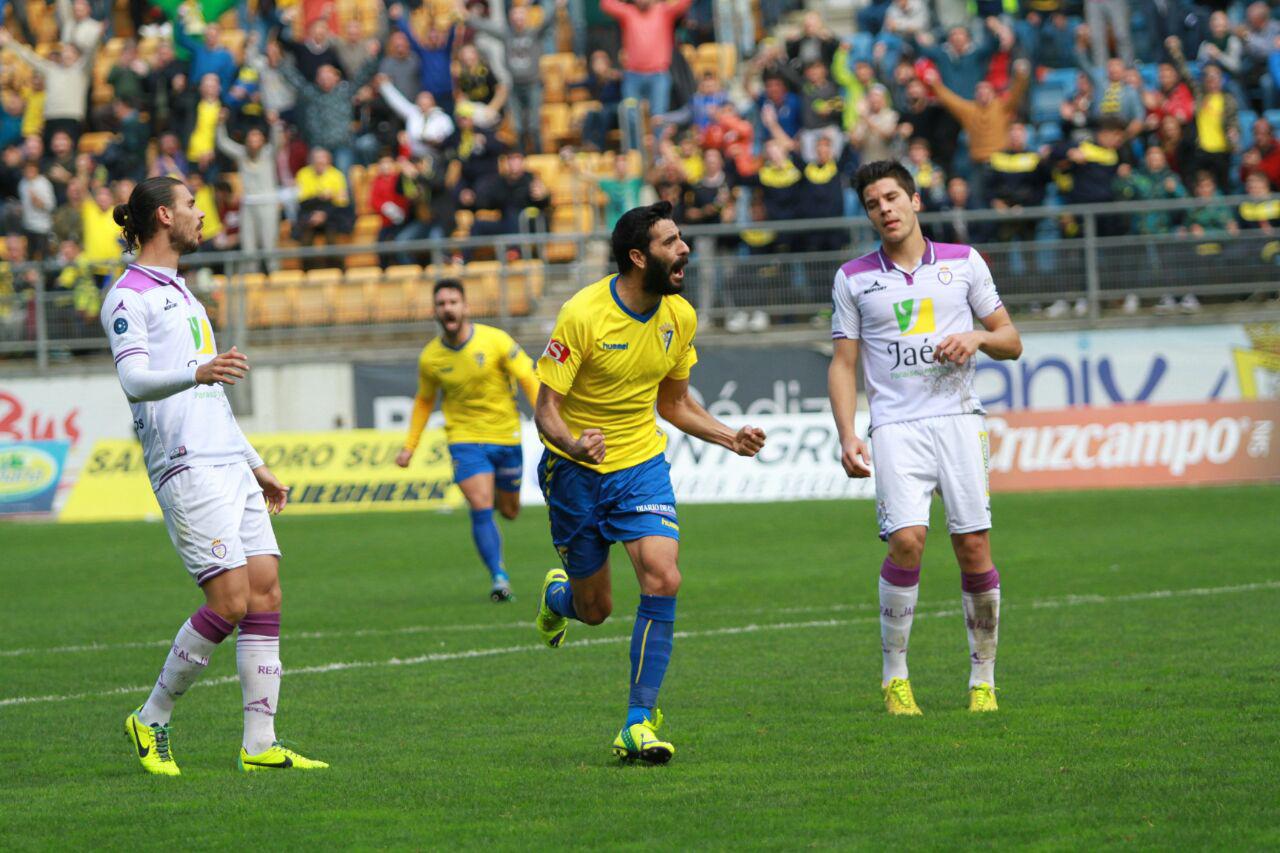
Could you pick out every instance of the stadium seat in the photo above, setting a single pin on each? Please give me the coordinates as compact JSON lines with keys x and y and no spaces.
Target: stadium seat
{"x":313,"y":301}
{"x":557,"y":128}
{"x":360,"y":180}
{"x":1046,"y":101}
{"x":1049,"y":133}
{"x":353,"y":296}
{"x":716,"y":58}
{"x":1247,"y":118}
{"x":568,"y":219}
{"x":1273,"y":118}
{"x":94,"y":143}
{"x":556,"y":70}
{"x":524,"y":280}
{"x":365,"y":234}
{"x":481,"y":279}
{"x":394,"y":299}
{"x":270,"y":301}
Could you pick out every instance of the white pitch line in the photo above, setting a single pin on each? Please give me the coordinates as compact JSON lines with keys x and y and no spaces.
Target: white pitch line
{"x":442,"y":657}
{"x":409,"y":630}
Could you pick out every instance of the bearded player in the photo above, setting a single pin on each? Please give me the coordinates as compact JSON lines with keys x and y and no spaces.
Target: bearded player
{"x":908,"y":309}
{"x":476,"y":368}
{"x":620,"y":347}
{"x":216,"y":494}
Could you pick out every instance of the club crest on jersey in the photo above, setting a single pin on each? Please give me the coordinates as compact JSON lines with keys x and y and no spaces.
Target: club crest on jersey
{"x":218,"y":550}
{"x":944,"y":275}
{"x":914,"y":316}
{"x":479,"y":359}
{"x":668,"y":332}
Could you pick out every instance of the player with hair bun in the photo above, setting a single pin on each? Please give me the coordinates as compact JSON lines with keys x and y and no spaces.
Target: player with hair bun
{"x":216,"y":494}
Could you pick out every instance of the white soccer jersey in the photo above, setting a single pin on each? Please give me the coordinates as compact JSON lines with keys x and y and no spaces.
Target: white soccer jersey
{"x":900,"y":318}
{"x":148,"y":314}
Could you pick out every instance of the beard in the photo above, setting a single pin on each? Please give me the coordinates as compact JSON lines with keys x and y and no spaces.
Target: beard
{"x":657,"y":276}
{"x":185,"y":244}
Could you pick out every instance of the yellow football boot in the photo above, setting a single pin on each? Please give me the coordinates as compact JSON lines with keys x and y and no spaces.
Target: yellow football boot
{"x":899,"y":700}
{"x":152,"y":744}
{"x":278,"y":757}
{"x":982,"y":698}
{"x":641,"y":741}
{"x":551,"y":625}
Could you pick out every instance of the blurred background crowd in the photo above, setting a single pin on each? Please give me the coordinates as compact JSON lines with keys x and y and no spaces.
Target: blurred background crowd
{"x":350,"y":121}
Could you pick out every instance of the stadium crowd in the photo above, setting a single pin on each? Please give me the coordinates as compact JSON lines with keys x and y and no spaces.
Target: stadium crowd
{"x":413,"y":120}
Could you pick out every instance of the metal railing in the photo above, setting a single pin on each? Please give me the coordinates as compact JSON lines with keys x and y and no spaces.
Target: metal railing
{"x":786,"y":272}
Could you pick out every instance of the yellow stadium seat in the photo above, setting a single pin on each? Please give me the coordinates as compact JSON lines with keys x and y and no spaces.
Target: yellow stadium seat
{"x":270,"y":300}
{"x":556,"y":70}
{"x":94,"y":143}
{"x":313,"y":300}
{"x":557,"y":127}
{"x":481,"y":281}
{"x":568,"y":219}
{"x":524,"y":281}
{"x":395,"y":299}
{"x":360,"y":182}
{"x":352,"y":298}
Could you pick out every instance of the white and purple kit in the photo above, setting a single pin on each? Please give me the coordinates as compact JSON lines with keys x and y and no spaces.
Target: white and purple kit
{"x":927,"y":427}
{"x":199,"y":462}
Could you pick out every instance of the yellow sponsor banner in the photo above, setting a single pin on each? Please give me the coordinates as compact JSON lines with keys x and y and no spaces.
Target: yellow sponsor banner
{"x":349,"y":471}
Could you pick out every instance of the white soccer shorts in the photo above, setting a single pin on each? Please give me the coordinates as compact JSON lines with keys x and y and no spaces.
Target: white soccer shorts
{"x":217,"y":518}
{"x":913,"y":459}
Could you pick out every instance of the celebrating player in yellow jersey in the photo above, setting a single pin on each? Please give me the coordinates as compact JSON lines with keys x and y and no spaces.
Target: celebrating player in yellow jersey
{"x":620,"y":347}
{"x":477,"y":367}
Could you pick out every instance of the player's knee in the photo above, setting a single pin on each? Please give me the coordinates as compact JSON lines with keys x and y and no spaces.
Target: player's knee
{"x":232,"y":609}
{"x":664,"y":581}
{"x":906,"y":547}
{"x":268,"y":600}
{"x":972,"y":552}
{"x":594,"y":612}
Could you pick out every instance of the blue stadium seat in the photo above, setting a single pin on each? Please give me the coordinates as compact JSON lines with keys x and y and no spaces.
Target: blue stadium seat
{"x":1247,"y":118}
{"x":860,"y":47}
{"x":1049,"y":132}
{"x":1062,"y":78}
{"x":1150,"y":75}
{"x":1273,"y":118}
{"x":1046,"y":101}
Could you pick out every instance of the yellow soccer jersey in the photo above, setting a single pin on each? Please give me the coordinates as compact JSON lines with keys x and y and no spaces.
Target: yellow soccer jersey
{"x":479,"y":383}
{"x":608,"y":362}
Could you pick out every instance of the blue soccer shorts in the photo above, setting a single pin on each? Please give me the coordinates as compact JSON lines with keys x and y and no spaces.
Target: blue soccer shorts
{"x":504,"y":461}
{"x":591,"y":511}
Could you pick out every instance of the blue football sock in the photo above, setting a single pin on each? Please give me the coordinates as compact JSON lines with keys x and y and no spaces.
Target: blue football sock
{"x":560,"y":599}
{"x":488,"y":541}
{"x":651,"y":641}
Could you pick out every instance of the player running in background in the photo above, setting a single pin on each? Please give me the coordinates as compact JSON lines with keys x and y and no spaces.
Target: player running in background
{"x":477,"y":367}
{"x":619,"y":347}
{"x":908,"y":308}
{"x":216,"y":494}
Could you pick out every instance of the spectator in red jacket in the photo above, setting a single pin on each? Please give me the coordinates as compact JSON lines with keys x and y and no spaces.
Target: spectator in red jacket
{"x":648,"y":40}
{"x":1264,"y":155}
{"x":1170,"y":97}
{"x":387,"y":199}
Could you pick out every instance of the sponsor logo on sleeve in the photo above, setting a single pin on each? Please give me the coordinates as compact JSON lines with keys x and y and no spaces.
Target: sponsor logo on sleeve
{"x":557,"y":351}
{"x":177,"y":454}
{"x":121,"y":325}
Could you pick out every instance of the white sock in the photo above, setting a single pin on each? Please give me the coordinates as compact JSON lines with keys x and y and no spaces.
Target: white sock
{"x":188,"y":657}
{"x":897,"y":610}
{"x":982,"y":622}
{"x":258,"y":662}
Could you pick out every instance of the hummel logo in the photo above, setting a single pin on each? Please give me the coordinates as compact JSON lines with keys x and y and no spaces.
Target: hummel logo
{"x":877,"y":286}
{"x":143,"y":751}
{"x":168,"y":303}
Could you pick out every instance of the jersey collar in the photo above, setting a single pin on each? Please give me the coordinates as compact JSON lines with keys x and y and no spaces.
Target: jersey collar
{"x":639,"y":318}
{"x":156,"y":275}
{"x":460,"y":346}
{"x":930,"y":256}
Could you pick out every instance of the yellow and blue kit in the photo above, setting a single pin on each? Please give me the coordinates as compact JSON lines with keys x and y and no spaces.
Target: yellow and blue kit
{"x":607,"y":362}
{"x":478,"y":380}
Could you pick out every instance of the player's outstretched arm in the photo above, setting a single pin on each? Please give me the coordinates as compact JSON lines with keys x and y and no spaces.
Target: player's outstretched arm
{"x":842,"y":387}
{"x":422,"y":407}
{"x":677,"y":406}
{"x":588,"y":447}
{"x":999,"y":339}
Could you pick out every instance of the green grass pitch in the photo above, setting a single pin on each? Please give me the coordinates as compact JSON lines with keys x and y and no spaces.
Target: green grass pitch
{"x":1138,"y":671}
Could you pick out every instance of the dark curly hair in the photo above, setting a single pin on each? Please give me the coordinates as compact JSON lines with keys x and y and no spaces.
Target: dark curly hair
{"x":632,"y":232}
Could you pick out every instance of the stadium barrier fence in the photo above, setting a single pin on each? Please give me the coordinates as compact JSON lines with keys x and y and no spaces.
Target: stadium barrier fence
{"x":344,"y":294}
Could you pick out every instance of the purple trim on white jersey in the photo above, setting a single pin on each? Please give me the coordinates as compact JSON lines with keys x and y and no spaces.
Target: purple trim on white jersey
{"x":952,"y":251}
{"x":130,"y":351}
{"x":866,"y":263}
{"x":160,"y":279}
{"x":170,"y":474}
{"x":139,"y":283}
